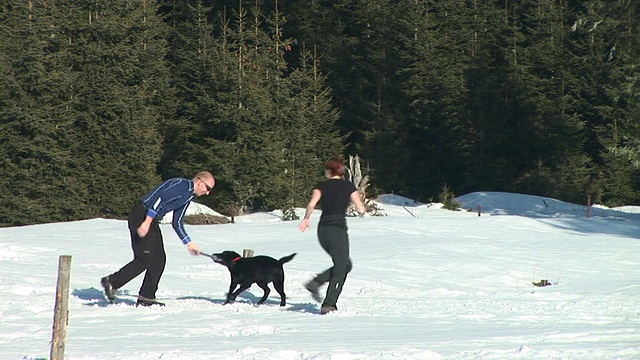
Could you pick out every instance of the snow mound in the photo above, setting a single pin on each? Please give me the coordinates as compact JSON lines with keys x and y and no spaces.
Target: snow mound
{"x":534,"y":206}
{"x":393,"y":199}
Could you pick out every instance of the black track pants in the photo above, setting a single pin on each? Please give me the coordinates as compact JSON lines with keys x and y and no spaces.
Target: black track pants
{"x":148,"y":254}
{"x":334,"y":240}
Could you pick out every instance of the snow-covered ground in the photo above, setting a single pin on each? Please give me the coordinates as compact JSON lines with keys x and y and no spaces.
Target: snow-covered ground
{"x":427,"y":283}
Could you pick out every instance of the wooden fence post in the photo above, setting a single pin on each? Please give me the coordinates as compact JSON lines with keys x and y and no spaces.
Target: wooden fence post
{"x":61,"y":309}
{"x":247,"y":253}
{"x":588,"y":206}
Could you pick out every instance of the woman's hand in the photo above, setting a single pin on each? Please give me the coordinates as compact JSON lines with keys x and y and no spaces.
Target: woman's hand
{"x":304,"y":225}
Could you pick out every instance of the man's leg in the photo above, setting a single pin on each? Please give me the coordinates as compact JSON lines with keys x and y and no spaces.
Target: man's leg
{"x":136,"y":266}
{"x":156,"y":260}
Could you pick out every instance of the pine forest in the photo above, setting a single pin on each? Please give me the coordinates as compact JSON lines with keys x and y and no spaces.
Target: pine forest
{"x":100,"y":100}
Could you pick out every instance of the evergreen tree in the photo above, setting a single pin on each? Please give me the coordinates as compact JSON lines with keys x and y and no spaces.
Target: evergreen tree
{"x":362,"y":55}
{"x":622,"y":20}
{"x":498,"y":131}
{"x":382,"y":108}
{"x":281,"y":121}
{"x":254,"y":147}
{"x":312,"y":136}
{"x":120,"y":81}
{"x":551,"y":95}
{"x":603,"y":34}
{"x":438,"y":122}
{"x":195,"y":66}
{"x":38,"y":148}
{"x":83,"y":93}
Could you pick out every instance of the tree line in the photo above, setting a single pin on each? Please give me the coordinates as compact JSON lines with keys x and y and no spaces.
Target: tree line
{"x":100,"y":100}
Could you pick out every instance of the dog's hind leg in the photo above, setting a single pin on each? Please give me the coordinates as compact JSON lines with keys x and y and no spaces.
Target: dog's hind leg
{"x":265,"y":287}
{"x":279,"y":286}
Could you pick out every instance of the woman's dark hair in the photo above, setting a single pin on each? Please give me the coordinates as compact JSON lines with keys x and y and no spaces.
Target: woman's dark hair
{"x":335,"y":167}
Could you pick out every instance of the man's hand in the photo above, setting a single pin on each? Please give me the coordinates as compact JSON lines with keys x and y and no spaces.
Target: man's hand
{"x":143,"y":229}
{"x":193,"y":248}
{"x":304,"y":225}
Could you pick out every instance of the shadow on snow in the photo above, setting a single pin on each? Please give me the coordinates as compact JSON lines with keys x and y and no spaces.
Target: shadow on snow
{"x":249,"y":298}
{"x":95,"y":297}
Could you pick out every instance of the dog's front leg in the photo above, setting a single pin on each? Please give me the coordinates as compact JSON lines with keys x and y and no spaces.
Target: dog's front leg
{"x":242,"y":288}
{"x":230,"y":293}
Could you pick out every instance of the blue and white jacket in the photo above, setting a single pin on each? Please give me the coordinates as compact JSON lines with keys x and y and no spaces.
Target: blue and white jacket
{"x":172,"y":195}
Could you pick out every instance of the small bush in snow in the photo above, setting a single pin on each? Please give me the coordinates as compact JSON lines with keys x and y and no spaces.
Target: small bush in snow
{"x":205,"y":219}
{"x":448,"y":199}
{"x":289,"y":215}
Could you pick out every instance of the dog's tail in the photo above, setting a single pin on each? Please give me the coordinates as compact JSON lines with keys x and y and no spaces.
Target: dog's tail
{"x":286,"y":259}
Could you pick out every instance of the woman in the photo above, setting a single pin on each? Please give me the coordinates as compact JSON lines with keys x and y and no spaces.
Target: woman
{"x":335,"y":193}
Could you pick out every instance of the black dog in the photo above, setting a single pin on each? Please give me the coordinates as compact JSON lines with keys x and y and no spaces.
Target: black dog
{"x":258,"y":269}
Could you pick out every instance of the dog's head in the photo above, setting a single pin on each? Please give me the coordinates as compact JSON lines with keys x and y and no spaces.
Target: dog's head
{"x":226,"y":258}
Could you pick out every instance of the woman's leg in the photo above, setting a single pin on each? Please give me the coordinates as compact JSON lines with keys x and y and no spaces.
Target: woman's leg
{"x":335,"y":241}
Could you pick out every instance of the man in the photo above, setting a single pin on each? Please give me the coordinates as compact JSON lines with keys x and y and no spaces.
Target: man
{"x":146,"y":238}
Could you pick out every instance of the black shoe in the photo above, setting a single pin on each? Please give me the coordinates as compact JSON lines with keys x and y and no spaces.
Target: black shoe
{"x":312,"y":287}
{"x":325,"y":309}
{"x":143,"y":301}
{"x":109,"y":291}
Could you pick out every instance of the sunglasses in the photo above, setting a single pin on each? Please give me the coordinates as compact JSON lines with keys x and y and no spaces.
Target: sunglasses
{"x":206,"y":185}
